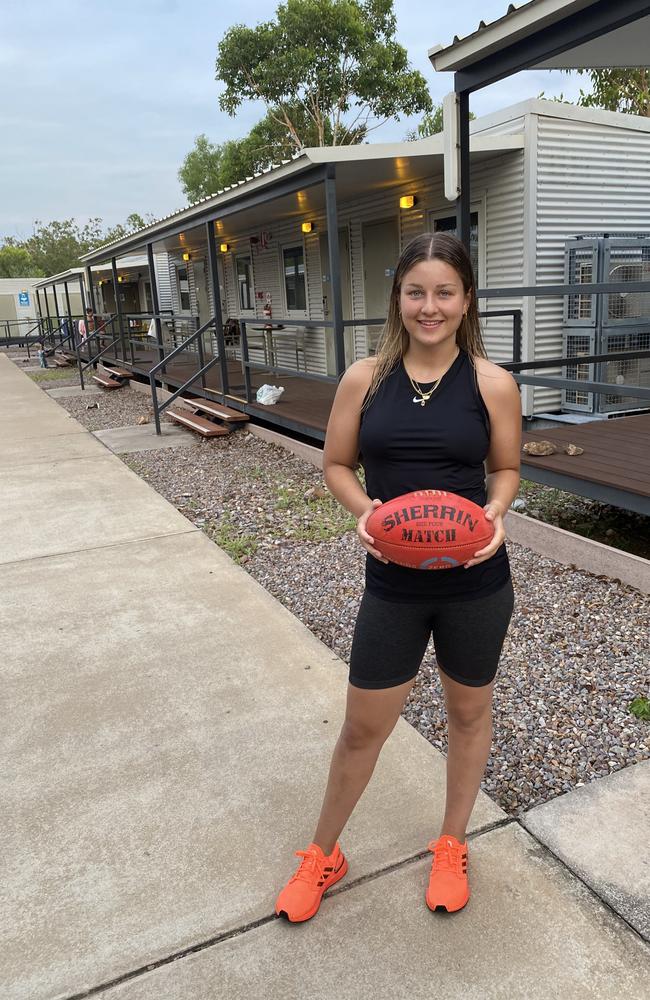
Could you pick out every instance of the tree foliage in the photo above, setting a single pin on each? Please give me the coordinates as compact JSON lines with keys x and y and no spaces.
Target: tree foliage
{"x":59,"y":245}
{"x":15,"y":262}
{"x":209,"y":167}
{"x":625,"y":90}
{"x":326,"y":70}
{"x":431,"y":124}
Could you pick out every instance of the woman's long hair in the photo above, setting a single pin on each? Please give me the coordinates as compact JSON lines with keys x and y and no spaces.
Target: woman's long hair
{"x":394,"y":339}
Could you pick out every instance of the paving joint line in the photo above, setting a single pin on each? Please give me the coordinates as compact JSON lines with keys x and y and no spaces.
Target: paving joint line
{"x":580,"y":878}
{"x":261,"y":922}
{"x":98,"y":548}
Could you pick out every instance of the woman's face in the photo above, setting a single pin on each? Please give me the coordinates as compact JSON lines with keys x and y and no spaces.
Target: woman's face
{"x":432,"y":302}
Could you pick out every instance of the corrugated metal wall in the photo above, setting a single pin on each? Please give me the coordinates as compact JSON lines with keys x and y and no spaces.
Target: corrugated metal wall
{"x":497,"y":185}
{"x":590,"y":178}
{"x":162,"y":267}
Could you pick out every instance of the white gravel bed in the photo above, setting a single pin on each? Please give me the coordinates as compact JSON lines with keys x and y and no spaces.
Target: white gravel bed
{"x":575,"y":656}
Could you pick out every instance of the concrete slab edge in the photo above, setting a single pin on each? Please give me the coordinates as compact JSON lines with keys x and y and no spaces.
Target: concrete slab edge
{"x":576,"y":873}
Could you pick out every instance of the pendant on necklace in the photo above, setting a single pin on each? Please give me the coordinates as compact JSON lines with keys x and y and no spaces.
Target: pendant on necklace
{"x":421,"y":401}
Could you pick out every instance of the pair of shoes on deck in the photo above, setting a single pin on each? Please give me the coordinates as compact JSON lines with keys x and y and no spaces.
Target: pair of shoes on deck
{"x":301,"y":897}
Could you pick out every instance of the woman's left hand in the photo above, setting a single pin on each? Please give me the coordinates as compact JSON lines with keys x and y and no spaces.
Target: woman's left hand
{"x":494,"y":515}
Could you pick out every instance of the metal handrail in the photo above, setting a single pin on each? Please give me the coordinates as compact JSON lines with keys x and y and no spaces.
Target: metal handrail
{"x":158,"y":408}
{"x":86,"y":343}
{"x":181,"y":347}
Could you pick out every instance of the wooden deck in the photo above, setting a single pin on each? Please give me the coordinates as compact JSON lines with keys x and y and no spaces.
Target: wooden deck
{"x":304,"y":406}
{"x":614,"y":468}
{"x":615,"y":465}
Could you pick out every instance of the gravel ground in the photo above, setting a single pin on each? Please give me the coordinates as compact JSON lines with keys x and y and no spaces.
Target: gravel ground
{"x":575,"y":656}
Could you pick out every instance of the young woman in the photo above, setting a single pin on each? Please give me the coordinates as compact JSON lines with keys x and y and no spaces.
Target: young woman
{"x":429,"y":412}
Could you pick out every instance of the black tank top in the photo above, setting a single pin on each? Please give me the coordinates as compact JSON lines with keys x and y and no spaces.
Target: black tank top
{"x":405,"y":446}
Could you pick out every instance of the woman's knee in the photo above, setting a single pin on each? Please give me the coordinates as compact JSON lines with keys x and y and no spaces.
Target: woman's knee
{"x":469,"y":708}
{"x":360,"y":734}
{"x":371,"y":715}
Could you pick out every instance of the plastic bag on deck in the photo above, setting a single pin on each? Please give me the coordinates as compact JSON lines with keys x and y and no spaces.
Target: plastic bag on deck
{"x":269,"y":394}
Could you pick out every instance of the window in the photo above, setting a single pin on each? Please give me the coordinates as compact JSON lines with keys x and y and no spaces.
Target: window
{"x":448,"y":225}
{"x":184,"y":289}
{"x":293,"y":259}
{"x":244,"y":271}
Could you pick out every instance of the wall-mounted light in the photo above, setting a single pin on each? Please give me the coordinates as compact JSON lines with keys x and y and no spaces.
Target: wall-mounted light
{"x":407,"y":201}
{"x":224,"y":247}
{"x":186,"y":255}
{"x":120,"y":278}
{"x":307,"y":227}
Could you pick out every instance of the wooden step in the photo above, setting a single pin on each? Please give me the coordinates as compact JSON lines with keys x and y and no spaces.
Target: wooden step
{"x":224,"y":413}
{"x":108,"y":383}
{"x":118,"y":372}
{"x":61,"y":362}
{"x":196,"y":423}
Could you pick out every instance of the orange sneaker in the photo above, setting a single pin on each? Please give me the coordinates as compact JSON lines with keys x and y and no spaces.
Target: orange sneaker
{"x":317,"y":872}
{"x":448,"y":886}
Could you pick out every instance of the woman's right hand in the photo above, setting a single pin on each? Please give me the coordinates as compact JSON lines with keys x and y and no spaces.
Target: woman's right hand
{"x":367,"y":540}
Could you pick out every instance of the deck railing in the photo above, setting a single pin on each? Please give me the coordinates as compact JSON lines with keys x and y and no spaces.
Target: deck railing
{"x":204,"y":367}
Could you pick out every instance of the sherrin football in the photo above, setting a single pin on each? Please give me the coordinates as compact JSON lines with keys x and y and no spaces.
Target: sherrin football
{"x":429,"y":529}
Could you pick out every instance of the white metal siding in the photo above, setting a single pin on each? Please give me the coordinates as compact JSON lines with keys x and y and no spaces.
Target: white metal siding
{"x":590,"y":178}
{"x":500,"y":182}
{"x":162,"y":265}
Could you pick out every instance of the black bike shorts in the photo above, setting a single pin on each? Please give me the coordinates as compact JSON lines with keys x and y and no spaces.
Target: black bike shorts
{"x":390,"y":639}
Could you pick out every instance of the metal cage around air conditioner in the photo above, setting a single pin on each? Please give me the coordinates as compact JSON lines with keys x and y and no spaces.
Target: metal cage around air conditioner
{"x":609,"y":323}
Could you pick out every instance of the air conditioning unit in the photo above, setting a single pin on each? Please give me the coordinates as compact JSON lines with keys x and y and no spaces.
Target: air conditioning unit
{"x":606,"y":324}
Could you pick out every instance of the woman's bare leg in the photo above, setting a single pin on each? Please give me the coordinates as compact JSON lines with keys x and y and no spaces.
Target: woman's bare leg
{"x":369,"y":720}
{"x":469,"y":720}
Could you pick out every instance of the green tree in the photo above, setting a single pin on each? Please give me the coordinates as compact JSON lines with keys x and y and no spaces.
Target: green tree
{"x":431,"y":124}
{"x":15,"y":262}
{"x":625,"y":90}
{"x":325,"y":70}
{"x":57,"y":246}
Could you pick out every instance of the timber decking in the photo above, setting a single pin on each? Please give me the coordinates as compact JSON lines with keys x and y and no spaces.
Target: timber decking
{"x":614,"y":467}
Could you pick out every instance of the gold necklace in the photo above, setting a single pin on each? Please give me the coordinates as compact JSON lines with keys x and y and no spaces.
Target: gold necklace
{"x":426,"y":396}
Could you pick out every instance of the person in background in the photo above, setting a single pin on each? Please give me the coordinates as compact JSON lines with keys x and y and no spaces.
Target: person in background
{"x":42,"y":357}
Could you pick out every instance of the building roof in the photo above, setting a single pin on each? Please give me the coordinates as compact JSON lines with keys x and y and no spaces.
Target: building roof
{"x":72,"y":274}
{"x":360,"y":169}
{"x":626,"y":45}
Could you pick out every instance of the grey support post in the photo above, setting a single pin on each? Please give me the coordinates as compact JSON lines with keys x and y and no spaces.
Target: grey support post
{"x":118,"y":308}
{"x":335,"y":268}
{"x":213,"y":272}
{"x":463,"y":226}
{"x":154,"y":301}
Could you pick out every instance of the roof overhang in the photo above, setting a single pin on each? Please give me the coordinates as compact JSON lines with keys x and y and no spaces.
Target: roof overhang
{"x":550,"y":34}
{"x":360,"y":171}
{"x":72,"y":274}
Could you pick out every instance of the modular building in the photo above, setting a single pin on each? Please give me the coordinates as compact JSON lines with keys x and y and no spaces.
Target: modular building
{"x":542,"y":173}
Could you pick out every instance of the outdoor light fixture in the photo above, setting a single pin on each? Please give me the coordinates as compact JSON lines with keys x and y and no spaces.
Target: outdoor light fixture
{"x":307,"y":227}
{"x":120,"y":278}
{"x":407,"y":201}
{"x":186,"y":255}
{"x":224,"y":247}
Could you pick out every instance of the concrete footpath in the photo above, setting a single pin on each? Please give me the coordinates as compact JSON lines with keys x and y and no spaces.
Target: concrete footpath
{"x":166,"y":732}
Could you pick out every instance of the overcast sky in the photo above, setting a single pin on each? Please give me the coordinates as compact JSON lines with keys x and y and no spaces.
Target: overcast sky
{"x":100,"y":102}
